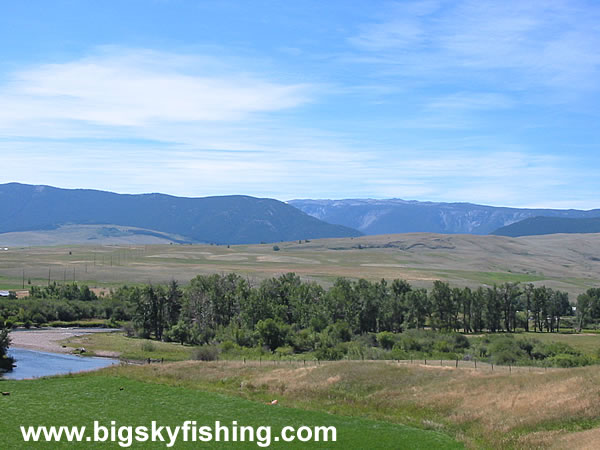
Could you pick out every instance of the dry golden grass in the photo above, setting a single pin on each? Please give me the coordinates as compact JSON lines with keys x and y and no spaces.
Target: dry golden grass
{"x":481,"y":408}
{"x":565,"y":262}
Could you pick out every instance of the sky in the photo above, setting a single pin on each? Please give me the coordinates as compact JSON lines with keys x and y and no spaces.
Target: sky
{"x":465,"y":100}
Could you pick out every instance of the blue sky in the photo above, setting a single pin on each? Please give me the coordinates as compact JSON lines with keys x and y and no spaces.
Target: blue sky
{"x":480,"y":101}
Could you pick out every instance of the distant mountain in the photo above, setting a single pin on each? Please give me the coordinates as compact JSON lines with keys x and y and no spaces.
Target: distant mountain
{"x":233,"y":219}
{"x":401,"y":216}
{"x":549,"y":225}
{"x":89,"y":234}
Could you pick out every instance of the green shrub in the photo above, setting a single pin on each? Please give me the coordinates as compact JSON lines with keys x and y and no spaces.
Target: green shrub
{"x":398,"y":353}
{"x":227,"y":346}
{"x":331,"y":353}
{"x":206,"y":353}
{"x":386,"y":340}
{"x":284,"y":351}
{"x":566,"y":360}
{"x":272,"y":333}
{"x":304,"y":341}
{"x":148,"y":346}
{"x":355,"y":350}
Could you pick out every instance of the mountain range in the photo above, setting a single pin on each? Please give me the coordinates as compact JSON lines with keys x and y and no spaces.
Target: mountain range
{"x":550,"y":225}
{"x":373,"y":217}
{"x":46,"y":215}
{"x":232,"y":219}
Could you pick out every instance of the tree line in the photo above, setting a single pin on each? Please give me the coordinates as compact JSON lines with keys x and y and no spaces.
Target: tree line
{"x":210,"y":303}
{"x":213,"y":302}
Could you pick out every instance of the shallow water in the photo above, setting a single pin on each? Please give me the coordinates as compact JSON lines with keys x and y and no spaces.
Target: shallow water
{"x":35,"y":364}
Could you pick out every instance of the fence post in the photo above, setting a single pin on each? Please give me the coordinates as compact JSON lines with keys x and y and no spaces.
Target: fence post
{"x":457,"y":363}
{"x":509,"y":369}
{"x":475,"y":362}
{"x":425,"y":362}
{"x":492,"y":367}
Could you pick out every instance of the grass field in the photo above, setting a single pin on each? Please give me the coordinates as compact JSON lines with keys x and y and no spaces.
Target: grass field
{"x":522,"y":408}
{"x":129,"y":348}
{"x":564,"y":262}
{"x":81,"y":400}
{"x":543,"y":409}
{"x":482,"y":407}
{"x":587,"y":343}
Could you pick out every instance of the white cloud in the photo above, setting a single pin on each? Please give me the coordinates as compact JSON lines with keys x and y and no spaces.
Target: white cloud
{"x":306,"y":170}
{"x":517,"y":45}
{"x":139,"y":88}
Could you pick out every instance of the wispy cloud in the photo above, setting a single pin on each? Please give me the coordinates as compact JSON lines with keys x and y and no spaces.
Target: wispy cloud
{"x":137,"y":88}
{"x":514,"y":44}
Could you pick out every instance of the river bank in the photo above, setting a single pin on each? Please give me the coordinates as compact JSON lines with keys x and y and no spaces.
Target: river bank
{"x":49,"y":339}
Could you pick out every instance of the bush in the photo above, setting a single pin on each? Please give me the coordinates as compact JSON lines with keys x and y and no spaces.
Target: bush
{"x":386,"y":340}
{"x":398,"y":353}
{"x":565,"y":360}
{"x":128,"y":328}
{"x":304,"y":341}
{"x":148,"y":346}
{"x":355,"y":350}
{"x":461,"y":341}
{"x":272,"y":333}
{"x":227,"y":346}
{"x":284,"y":351}
{"x":206,"y":353}
{"x":331,"y":353}
{"x":339,"y":331}
{"x":4,"y":342}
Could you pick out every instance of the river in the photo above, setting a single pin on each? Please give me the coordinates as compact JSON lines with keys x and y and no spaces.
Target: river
{"x":35,"y":364}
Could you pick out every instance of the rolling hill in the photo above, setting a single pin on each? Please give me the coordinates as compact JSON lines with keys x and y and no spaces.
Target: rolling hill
{"x":549,"y":225}
{"x":391,"y":216}
{"x":233,"y":219}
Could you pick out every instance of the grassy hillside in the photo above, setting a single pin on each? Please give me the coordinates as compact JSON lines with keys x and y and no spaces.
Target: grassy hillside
{"x":232,"y":219}
{"x":482,"y":408}
{"x":565,"y":262}
{"x":88,"y":235}
{"x":549,"y":225}
{"x":373,"y":404}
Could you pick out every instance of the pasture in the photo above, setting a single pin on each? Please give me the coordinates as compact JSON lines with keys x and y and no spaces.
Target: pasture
{"x":80,"y":400}
{"x":556,"y":408}
{"x":564,"y":262}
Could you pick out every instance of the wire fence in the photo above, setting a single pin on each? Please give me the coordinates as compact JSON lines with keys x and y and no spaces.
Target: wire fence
{"x":473,"y":364}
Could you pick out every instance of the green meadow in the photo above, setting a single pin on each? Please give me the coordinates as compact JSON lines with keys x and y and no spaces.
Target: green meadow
{"x":81,"y":400}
